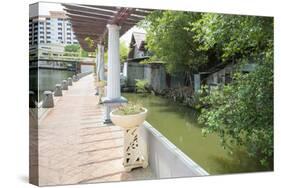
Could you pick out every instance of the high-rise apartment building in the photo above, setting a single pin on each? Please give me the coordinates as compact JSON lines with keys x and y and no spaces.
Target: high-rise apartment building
{"x":54,"y":28}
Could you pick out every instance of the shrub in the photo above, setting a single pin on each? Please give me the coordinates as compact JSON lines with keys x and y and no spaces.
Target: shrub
{"x":242,"y":113}
{"x":141,"y":85}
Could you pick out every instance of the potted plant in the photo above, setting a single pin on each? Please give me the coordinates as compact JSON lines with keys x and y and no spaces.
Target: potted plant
{"x":130,"y":117}
{"x":101,"y":87}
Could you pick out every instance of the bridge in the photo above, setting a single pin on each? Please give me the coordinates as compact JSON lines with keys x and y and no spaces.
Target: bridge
{"x":45,"y":58}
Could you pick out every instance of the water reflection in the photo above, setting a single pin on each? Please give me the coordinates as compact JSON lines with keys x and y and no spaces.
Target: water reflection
{"x":47,"y":79}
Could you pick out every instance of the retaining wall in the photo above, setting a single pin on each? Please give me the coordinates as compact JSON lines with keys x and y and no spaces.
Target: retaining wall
{"x":165,"y":159}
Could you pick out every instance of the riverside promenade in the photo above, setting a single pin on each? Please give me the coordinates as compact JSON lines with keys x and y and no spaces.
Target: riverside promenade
{"x":74,"y":144}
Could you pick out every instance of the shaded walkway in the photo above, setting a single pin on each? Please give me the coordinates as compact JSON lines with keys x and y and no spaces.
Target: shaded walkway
{"x":74,"y":144}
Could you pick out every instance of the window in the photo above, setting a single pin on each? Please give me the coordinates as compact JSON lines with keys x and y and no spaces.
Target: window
{"x":41,"y":41}
{"x":48,"y":41}
{"x":60,"y":38}
{"x":68,"y":42}
{"x":59,"y":33}
{"x":41,"y":32}
{"x":48,"y":32}
{"x":75,"y":42}
{"x":68,"y":38}
{"x":68,"y":29}
{"x":68,"y":33}
{"x":41,"y":23}
{"x":41,"y":28}
{"x":48,"y":23}
{"x":60,"y":29}
{"x":48,"y":18}
{"x":48,"y":28}
{"x":60,"y":24}
{"x":41,"y":37}
{"x":48,"y":37}
{"x":69,"y":24}
{"x":60,"y":19}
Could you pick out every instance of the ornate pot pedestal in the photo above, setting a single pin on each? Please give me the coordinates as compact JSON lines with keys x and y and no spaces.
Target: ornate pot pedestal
{"x":135,"y":154}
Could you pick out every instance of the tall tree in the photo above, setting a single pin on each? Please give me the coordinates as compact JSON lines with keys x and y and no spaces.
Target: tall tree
{"x":170,"y":39}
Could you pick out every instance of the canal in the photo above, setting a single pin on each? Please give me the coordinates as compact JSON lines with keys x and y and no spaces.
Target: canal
{"x":179,"y":124}
{"x":48,"y":78}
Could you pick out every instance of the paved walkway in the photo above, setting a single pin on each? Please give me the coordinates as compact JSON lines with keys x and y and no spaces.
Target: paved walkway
{"x":76,"y":147}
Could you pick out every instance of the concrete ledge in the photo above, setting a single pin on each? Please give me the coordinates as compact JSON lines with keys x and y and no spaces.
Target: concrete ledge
{"x":165,"y":159}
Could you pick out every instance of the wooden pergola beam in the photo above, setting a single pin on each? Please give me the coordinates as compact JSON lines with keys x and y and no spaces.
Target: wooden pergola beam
{"x":91,"y":20}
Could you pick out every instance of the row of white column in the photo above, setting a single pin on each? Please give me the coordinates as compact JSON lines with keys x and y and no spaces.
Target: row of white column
{"x":113,"y":92}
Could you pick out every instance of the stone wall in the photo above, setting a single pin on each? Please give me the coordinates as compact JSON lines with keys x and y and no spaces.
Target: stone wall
{"x":154,"y":73}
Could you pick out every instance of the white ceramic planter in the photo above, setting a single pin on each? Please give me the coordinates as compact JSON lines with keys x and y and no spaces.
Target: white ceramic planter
{"x":134,"y":153}
{"x":128,"y":121}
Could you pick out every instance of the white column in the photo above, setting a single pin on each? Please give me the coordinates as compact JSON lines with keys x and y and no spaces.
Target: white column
{"x":97,"y":64}
{"x":125,"y":69}
{"x":113,"y":72}
{"x":101,"y":61}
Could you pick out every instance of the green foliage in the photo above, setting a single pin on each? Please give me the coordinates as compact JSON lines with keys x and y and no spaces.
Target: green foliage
{"x":141,"y":85}
{"x":75,"y":50}
{"x":89,"y":41}
{"x":242,"y":112}
{"x":72,"y":48}
{"x":129,"y":109}
{"x":124,"y":50}
{"x":170,"y":38}
{"x":233,"y":35}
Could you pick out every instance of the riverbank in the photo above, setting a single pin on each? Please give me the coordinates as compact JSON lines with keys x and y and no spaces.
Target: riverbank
{"x":179,"y":124}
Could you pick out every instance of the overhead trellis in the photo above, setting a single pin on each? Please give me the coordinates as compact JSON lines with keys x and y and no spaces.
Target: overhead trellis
{"x":89,"y":21}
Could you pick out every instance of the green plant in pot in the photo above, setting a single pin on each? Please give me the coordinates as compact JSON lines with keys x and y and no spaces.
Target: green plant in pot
{"x":131,"y":117}
{"x":101,"y":86}
{"x":101,"y":83}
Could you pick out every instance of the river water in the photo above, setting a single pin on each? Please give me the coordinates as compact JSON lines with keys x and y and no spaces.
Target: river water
{"x":47,"y":79}
{"x":179,"y":124}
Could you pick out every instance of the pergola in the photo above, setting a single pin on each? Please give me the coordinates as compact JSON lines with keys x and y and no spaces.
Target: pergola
{"x":104,"y":25}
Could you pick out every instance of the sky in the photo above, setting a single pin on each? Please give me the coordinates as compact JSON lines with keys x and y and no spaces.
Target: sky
{"x":45,"y":7}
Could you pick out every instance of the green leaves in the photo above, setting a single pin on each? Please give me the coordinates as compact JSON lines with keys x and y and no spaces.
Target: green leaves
{"x":170,"y":39}
{"x":141,"y":85}
{"x":233,"y":34}
{"x":242,"y":112}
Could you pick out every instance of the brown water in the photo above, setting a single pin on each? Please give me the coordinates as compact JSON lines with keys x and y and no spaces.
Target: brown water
{"x":179,"y":124}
